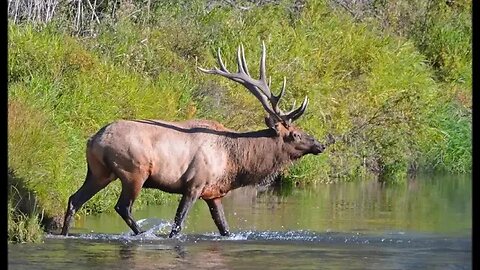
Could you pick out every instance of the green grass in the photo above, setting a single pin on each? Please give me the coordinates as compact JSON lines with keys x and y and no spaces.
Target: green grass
{"x":378,"y":91}
{"x":450,"y":149}
{"x":24,"y":215}
{"x":68,"y":95}
{"x":23,"y":228}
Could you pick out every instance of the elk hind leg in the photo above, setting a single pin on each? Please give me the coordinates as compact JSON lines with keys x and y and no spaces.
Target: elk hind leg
{"x":92,"y":185}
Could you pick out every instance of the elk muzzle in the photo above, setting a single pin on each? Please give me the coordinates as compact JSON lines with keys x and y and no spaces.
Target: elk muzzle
{"x":317,"y":148}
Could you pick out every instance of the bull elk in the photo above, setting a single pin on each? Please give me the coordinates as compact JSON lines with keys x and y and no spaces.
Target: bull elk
{"x":195,"y":158}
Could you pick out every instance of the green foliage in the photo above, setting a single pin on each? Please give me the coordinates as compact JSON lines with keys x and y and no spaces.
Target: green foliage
{"x":445,"y":37}
{"x":37,"y":153}
{"x":59,"y":94}
{"x":450,"y":148}
{"x":385,"y":94}
{"x":22,"y":227}
{"x":441,"y":30}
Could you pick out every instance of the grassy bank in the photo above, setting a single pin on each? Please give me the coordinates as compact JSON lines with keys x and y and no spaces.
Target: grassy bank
{"x":394,"y":108}
{"x":24,"y":215}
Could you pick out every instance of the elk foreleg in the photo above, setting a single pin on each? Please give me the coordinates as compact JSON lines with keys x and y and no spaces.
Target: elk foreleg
{"x":124,"y":209}
{"x":216,"y":210}
{"x":188,"y":199}
{"x":130,"y":191}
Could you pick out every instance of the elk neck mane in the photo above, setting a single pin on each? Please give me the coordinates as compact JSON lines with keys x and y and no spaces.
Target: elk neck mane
{"x":255,"y":157}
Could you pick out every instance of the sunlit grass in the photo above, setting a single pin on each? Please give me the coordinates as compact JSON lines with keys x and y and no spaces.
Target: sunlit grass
{"x":23,"y":227}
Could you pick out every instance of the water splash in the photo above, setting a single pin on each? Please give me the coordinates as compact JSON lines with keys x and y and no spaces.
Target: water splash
{"x":156,"y":232}
{"x":301,"y":236}
{"x":153,"y":229}
{"x":154,"y":226}
{"x":397,"y":239}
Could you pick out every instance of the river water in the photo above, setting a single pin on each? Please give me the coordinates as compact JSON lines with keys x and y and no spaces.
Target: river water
{"x":424,"y":224}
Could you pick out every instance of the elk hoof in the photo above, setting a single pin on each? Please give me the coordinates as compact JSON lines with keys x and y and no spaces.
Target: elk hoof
{"x":174,"y":231}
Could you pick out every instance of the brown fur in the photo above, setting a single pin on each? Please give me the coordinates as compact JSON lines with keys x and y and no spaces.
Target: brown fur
{"x":195,"y":158}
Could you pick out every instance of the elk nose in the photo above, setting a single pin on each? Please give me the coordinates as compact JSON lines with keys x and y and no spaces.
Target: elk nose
{"x":319,"y":148}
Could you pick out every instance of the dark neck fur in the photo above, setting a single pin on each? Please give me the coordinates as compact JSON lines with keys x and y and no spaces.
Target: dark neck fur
{"x":255,"y":156}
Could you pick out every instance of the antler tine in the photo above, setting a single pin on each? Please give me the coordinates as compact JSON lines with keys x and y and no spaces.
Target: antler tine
{"x":294,"y":115}
{"x":283,"y":88}
{"x":262,"y":65}
{"x":259,"y":88}
{"x":220,"y":62}
{"x":244,"y":62}
{"x":220,"y":71}
{"x":292,"y":109}
{"x":240,"y":61}
{"x":276,"y":99}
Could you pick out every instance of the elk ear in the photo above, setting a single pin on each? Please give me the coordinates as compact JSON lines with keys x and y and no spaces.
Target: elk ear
{"x":271,"y":123}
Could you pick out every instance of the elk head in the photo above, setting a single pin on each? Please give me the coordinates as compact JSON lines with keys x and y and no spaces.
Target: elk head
{"x":296,"y":142}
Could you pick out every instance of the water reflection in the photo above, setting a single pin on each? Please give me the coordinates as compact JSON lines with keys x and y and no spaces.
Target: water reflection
{"x":426,"y":204}
{"x":257,"y":250}
{"x":157,"y":256}
{"x":423,"y":224}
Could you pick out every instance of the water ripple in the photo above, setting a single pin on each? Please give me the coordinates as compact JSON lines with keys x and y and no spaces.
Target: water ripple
{"x":158,"y":233}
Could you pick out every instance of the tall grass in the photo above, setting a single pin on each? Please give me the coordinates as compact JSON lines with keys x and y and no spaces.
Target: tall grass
{"x":441,"y":30}
{"x":23,"y":228}
{"x":24,"y":214}
{"x":59,"y":95}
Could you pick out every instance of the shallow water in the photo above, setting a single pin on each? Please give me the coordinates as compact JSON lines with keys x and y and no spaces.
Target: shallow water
{"x":425,"y":224}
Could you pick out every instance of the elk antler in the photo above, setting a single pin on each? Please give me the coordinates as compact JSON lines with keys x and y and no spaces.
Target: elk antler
{"x":259,"y":88}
